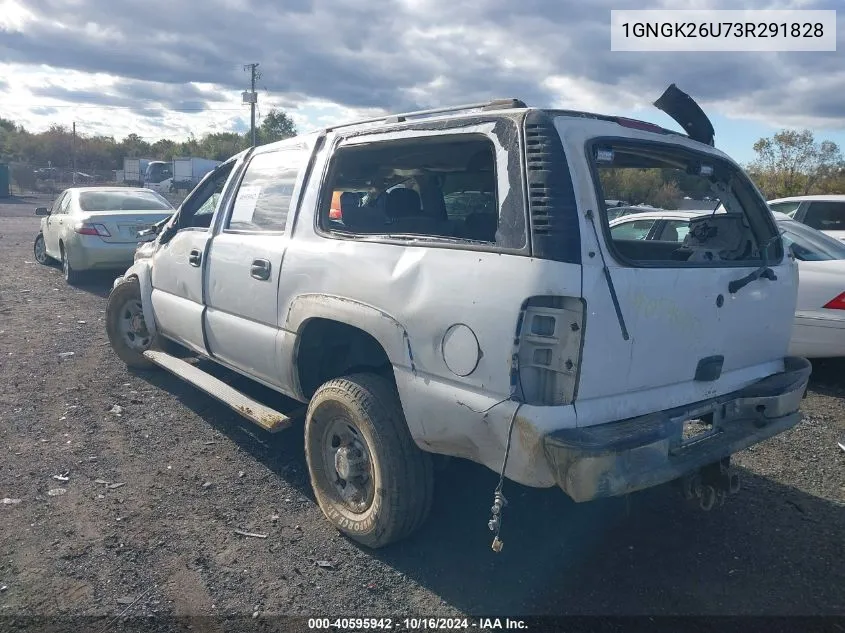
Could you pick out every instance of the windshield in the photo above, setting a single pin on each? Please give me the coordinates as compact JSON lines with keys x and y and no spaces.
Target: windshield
{"x":122,"y":201}
{"x":809,"y":245}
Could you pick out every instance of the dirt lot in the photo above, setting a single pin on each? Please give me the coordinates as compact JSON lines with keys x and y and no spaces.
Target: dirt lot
{"x":191,"y":472}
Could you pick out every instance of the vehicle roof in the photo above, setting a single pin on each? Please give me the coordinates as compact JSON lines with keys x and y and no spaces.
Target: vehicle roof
{"x":820,"y":198}
{"x":511,"y":106}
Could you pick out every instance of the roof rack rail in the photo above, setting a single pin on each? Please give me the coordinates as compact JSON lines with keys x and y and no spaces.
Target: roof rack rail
{"x":495,"y":104}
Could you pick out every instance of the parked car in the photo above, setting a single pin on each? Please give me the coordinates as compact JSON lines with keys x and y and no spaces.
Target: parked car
{"x":824,"y":213}
{"x":617,"y":212}
{"x":654,"y":224}
{"x":427,"y":322}
{"x":819,"y":328}
{"x":90,"y":228}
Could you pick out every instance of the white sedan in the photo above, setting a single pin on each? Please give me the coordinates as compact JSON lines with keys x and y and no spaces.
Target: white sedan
{"x":819,"y":328}
{"x":96,"y":227}
{"x":825,"y":213}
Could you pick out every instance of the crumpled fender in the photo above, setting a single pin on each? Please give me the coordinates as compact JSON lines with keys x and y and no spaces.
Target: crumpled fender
{"x":142,"y":271}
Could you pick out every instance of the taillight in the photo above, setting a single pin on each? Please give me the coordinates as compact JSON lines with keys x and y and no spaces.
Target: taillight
{"x":547,"y":357}
{"x":837,"y":303}
{"x":92,"y":229}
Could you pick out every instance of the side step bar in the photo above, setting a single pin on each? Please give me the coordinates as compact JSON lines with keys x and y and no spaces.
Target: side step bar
{"x":262,"y":415}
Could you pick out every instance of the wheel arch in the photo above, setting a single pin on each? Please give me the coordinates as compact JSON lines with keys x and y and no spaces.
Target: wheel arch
{"x":337,"y":320}
{"x":143,"y":273}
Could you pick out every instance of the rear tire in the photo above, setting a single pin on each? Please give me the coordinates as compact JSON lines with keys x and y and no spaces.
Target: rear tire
{"x":125,"y":325}
{"x":71,"y":276}
{"x":389,"y":484}
{"x":39,"y":250}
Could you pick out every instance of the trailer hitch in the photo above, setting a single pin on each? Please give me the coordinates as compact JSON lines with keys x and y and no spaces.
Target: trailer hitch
{"x":712,"y":484}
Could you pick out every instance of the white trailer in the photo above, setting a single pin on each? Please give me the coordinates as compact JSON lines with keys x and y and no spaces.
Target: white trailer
{"x":187,"y":172}
{"x":133,"y":171}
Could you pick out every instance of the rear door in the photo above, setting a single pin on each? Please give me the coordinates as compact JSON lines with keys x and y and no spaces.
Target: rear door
{"x":244,"y":267}
{"x":666,"y":330}
{"x":55,"y":221}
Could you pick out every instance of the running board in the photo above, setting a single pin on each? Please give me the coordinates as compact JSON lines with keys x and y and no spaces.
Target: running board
{"x":262,"y":415}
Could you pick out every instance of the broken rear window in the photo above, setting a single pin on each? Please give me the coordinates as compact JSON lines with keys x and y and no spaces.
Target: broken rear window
{"x":732,"y":225}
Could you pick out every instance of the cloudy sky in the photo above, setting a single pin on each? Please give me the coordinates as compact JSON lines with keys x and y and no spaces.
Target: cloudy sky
{"x":170,"y":68}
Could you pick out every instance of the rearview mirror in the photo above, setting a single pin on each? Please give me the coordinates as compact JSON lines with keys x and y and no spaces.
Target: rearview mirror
{"x":42,"y":211}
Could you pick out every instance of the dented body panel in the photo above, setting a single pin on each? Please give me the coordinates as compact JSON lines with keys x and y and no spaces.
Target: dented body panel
{"x":488,"y":341}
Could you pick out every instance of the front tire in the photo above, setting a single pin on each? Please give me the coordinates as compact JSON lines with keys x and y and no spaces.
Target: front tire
{"x":39,"y":250}
{"x":125,"y":325}
{"x":71,"y":275}
{"x":370,"y":479}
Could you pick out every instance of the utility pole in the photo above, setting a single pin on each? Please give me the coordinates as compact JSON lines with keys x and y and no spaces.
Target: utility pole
{"x":73,"y":152}
{"x":251,"y":97}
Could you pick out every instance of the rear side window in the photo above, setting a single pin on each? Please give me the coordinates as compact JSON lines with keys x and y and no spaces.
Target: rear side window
{"x":64,"y":205}
{"x":731,"y":224}
{"x":442,"y":187}
{"x":826,"y":216}
{"x":264,"y":196}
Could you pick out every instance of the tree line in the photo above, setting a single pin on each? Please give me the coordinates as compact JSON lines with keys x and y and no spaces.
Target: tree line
{"x":56,"y":146}
{"x":791,"y":162}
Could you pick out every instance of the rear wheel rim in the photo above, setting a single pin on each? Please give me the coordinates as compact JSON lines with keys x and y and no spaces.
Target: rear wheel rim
{"x":40,"y":250}
{"x":348,"y":465}
{"x":131,"y":325}
{"x":65,"y":265}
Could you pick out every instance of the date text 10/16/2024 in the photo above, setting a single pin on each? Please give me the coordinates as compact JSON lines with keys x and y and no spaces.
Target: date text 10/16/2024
{"x":412,"y":624}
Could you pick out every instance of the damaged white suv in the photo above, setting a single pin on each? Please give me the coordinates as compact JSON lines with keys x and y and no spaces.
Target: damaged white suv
{"x":446,"y":282}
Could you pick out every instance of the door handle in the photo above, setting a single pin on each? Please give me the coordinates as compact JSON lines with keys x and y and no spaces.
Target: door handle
{"x":260,"y":269}
{"x":194,"y":258}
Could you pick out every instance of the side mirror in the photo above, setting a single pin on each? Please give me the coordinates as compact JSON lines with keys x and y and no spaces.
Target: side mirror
{"x":42,"y":211}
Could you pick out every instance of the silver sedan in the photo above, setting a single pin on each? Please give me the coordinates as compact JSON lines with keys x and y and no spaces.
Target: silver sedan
{"x":90,"y":228}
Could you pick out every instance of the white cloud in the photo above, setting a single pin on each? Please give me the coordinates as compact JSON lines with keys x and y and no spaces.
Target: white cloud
{"x":160,"y":68}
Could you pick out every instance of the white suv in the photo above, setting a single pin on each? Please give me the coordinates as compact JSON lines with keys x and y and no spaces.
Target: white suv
{"x":466,"y":298}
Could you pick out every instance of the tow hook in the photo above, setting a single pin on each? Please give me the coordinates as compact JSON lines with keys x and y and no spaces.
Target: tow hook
{"x":711,"y":485}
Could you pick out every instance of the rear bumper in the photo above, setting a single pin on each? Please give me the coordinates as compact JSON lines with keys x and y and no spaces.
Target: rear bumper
{"x":90,"y":252}
{"x":613,"y":459}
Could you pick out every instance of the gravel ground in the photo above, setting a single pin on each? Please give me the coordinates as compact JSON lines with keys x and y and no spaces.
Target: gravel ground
{"x":147,"y":522}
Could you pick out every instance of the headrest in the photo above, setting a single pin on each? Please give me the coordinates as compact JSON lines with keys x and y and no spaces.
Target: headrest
{"x":349,"y":200}
{"x":403,"y":203}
